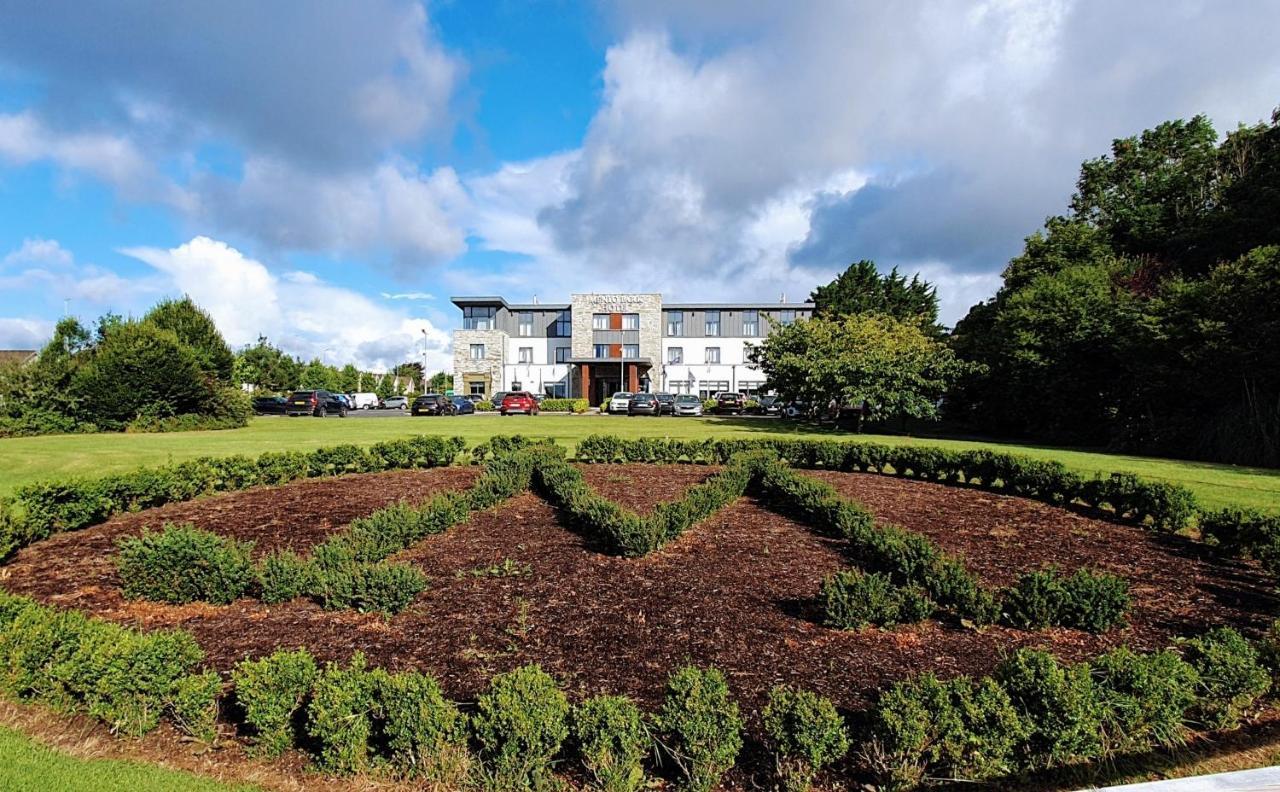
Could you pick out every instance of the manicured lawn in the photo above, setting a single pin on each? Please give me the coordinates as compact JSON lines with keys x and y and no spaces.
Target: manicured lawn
{"x":29,"y":459}
{"x":28,"y":766}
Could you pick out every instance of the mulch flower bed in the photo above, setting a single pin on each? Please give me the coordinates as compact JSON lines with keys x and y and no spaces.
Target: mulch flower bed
{"x":512,"y":586}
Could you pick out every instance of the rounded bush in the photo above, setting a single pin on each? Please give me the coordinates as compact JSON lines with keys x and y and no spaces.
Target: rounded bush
{"x":184,"y":564}
{"x":853,"y":599}
{"x":612,"y":741}
{"x":805,"y":733}
{"x":272,"y":692}
{"x":702,"y":725}
{"x":519,"y":724}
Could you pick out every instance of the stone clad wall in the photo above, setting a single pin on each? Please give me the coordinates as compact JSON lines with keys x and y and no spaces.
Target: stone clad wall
{"x":495,"y":344}
{"x":649,"y":306}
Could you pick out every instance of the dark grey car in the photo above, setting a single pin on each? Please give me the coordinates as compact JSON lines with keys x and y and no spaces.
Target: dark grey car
{"x":644,"y":404}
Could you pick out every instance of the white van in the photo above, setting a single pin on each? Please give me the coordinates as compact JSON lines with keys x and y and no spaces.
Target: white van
{"x":365,"y":401}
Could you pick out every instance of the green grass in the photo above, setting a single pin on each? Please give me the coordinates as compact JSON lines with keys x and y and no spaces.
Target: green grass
{"x":28,"y":766}
{"x":28,"y":459}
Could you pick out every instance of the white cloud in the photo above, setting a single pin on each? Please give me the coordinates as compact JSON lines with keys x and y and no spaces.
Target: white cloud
{"x":38,"y":251}
{"x":296,"y":310}
{"x":24,"y":333}
{"x":49,"y":274}
{"x":408,"y":296}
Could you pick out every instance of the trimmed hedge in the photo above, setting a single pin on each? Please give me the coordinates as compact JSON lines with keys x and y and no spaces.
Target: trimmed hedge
{"x":1091,"y":601}
{"x":1165,"y":506}
{"x":852,"y":600}
{"x":1032,"y":713}
{"x":184,"y":564}
{"x":37,"y":510}
{"x":565,"y":405}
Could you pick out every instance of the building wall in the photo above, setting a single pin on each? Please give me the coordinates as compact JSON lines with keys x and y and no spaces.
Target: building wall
{"x":491,"y":367}
{"x":586,"y":306}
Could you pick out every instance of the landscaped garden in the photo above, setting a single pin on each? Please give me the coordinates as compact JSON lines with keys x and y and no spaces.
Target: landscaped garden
{"x":740,"y":613}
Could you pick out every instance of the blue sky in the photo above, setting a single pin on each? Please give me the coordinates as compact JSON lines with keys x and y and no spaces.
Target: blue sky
{"x":328,"y":174}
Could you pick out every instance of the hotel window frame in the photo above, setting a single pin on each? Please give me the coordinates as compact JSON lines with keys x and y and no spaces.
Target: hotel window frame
{"x":710,"y":353}
{"x":630,"y":351}
{"x":524,"y":329}
{"x":675,"y":356}
{"x":562,"y":327}
{"x":477,"y":352}
{"x":751,"y":323}
{"x":787,"y":317}
{"x":631,"y":321}
{"x":597,"y":349}
{"x":675,"y":324}
{"x":524,"y":356}
{"x":562,"y":354}
{"x":600,"y":321}
{"x":479,"y":317}
{"x":710,"y":327}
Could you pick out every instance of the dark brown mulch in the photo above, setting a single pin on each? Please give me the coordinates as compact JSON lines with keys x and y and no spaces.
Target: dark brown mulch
{"x":642,"y":487}
{"x":736,"y":591}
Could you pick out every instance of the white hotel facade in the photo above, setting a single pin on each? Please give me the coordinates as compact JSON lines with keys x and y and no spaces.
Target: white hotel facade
{"x":597,"y":344}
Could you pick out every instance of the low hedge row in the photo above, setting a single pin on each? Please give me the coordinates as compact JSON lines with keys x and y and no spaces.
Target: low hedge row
{"x":37,"y":510}
{"x":1165,"y":506}
{"x":565,"y":405}
{"x":348,"y":570}
{"x":623,"y":531}
{"x":1033,"y":712}
{"x":123,"y":677}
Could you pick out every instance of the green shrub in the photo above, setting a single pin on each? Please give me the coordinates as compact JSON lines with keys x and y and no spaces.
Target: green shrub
{"x":852,"y":600}
{"x":1092,"y":601}
{"x":1058,"y":702}
{"x":272,"y":692}
{"x":193,"y":704}
{"x":425,"y":734}
{"x":520,"y":722}
{"x":184,"y":564}
{"x":962,"y":728}
{"x":339,"y":717}
{"x":805,"y":734}
{"x":565,"y":405}
{"x":612,"y":740}
{"x":485,"y":406}
{"x":702,"y":725}
{"x":383,"y":587}
{"x":284,"y":575}
{"x":1144,"y":698}
{"x":1232,"y":678}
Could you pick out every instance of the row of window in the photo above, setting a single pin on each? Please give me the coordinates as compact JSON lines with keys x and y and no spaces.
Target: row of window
{"x":629,"y":352}
{"x":477,"y":317}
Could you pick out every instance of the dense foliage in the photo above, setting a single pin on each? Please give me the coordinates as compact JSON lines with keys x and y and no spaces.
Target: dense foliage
{"x":1148,"y":317}
{"x":861,"y":289}
{"x":170,"y":370}
{"x":270,"y":369}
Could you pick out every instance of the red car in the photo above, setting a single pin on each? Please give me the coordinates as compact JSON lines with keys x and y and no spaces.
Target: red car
{"x":519,"y":402}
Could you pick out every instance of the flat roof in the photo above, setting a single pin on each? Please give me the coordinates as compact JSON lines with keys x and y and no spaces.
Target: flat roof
{"x":738,"y":306}
{"x":610,"y":361}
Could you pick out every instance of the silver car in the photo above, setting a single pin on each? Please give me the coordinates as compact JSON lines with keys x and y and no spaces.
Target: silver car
{"x":687,"y":404}
{"x":619,"y":401}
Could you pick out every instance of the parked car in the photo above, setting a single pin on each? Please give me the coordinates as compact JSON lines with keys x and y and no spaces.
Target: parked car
{"x":474,"y":398}
{"x":644,"y":404}
{"x":795,"y":410}
{"x":315,"y":402}
{"x":269,"y":405}
{"x":618,"y":402}
{"x":433,"y":404}
{"x":770,"y":405}
{"x":395,"y":403}
{"x":462,"y":405}
{"x":519,"y":402}
{"x":496,"y":401}
{"x":729,"y":403}
{"x":365,"y":401}
{"x":687,"y":404}
{"x":666,"y":403}
{"x":346,"y":400}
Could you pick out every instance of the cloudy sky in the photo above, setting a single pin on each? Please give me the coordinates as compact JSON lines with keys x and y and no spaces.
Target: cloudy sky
{"x":328,"y":174}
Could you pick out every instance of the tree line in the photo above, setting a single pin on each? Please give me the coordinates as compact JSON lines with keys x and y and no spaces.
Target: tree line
{"x":269,"y":369}
{"x":1147,"y":318}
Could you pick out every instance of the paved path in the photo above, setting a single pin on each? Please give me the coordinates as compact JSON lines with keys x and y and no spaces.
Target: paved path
{"x":1266,"y":779}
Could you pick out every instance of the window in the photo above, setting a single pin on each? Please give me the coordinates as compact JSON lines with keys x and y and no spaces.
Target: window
{"x":749,"y":388}
{"x":678,"y":386}
{"x":630,"y":351}
{"x":476,"y":388}
{"x":478,"y":317}
{"x":526,"y":324}
{"x":562,"y":354}
{"x":477,"y":351}
{"x":713,"y":323}
{"x":675,"y":323}
{"x":707,"y":389}
{"x":713,"y":354}
{"x":526,"y":355}
{"x":787,"y":317}
{"x":631,"y":321}
{"x":601,"y":351}
{"x":599,"y":321}
{"x":558,"y":390}
{"x":563,"y":326}
{"x":675,"y":354}
{"x":751,"y":323}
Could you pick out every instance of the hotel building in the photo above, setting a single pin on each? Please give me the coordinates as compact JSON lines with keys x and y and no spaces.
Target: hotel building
{"x":597,"y":344}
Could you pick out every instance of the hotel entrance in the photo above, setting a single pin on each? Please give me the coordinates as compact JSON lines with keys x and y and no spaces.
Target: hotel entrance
{"x":598,"y":379}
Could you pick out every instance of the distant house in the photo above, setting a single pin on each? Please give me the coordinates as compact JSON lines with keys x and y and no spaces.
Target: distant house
{"x":16,"y":357}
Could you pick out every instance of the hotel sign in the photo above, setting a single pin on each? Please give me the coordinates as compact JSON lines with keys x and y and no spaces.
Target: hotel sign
{"x":617,"y":303}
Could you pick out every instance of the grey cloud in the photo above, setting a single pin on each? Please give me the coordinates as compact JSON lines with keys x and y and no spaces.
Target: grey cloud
{"x":329,"y":85}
